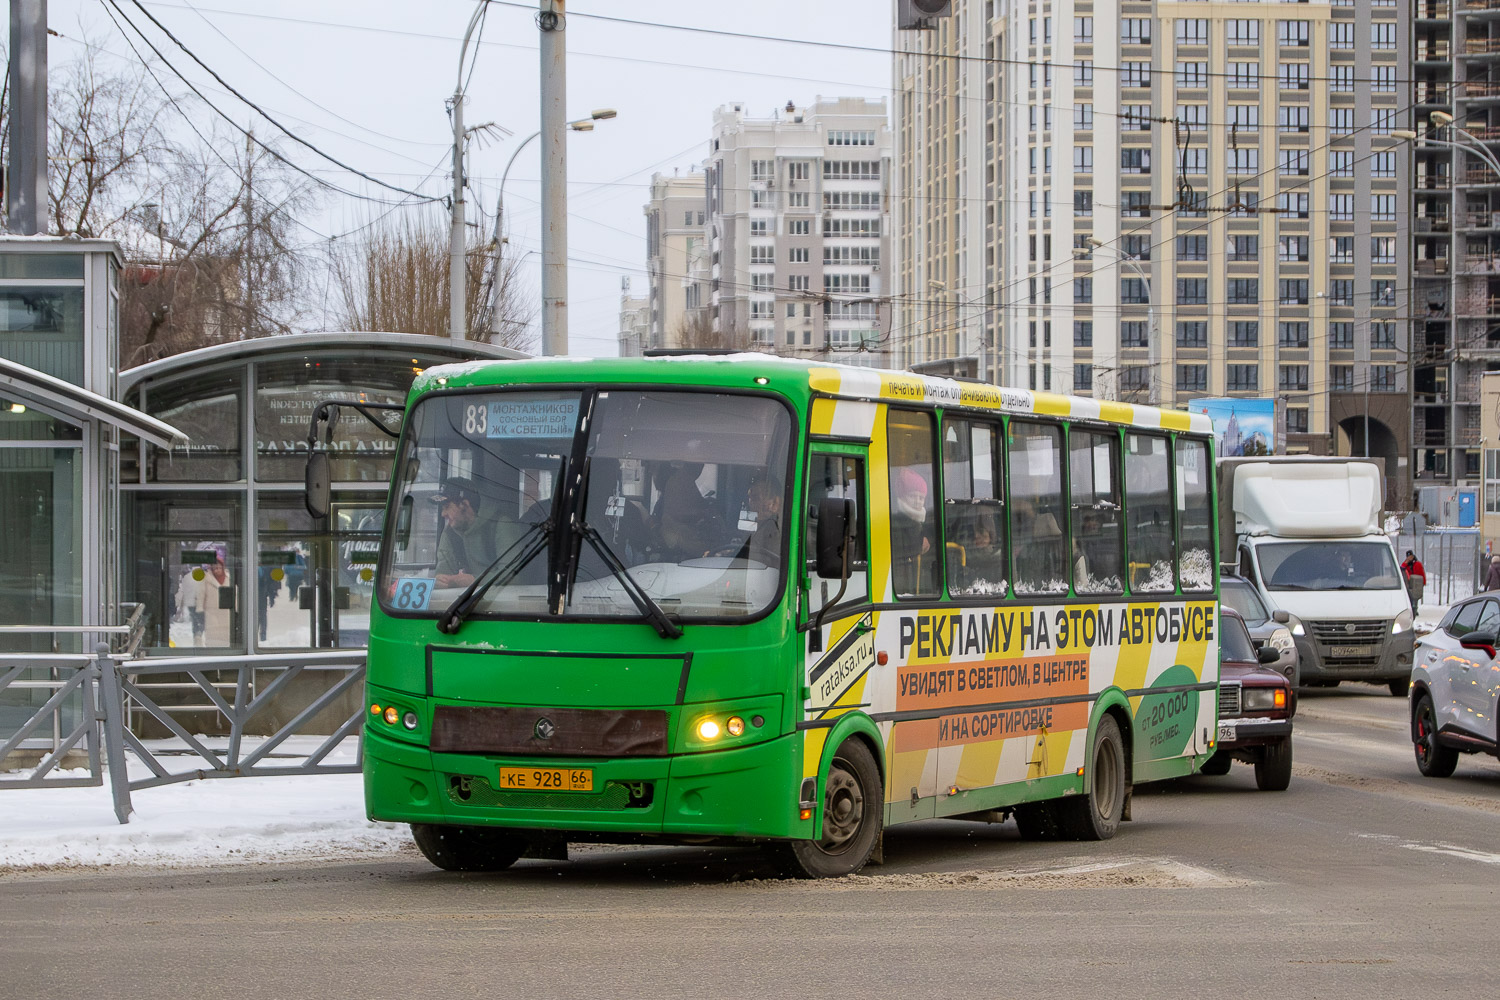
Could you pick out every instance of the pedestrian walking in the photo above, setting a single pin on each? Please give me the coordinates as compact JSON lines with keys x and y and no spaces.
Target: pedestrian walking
{"x":1416,"y":578}
{"x":1492,"y":578}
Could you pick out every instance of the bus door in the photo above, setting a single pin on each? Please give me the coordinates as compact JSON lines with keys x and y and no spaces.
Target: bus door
{"x":838,"y":670}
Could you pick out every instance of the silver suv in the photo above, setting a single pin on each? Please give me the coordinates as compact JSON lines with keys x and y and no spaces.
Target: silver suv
{"x":1455,"y":686}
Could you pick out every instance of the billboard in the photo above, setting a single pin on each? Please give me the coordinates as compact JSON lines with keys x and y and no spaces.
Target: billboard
{"x":1242,"y":427}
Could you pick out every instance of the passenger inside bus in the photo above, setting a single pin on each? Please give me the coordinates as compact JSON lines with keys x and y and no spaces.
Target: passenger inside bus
{"x":983,"y":570}
{"x":763,"y":501}
{"x":912,"y":564}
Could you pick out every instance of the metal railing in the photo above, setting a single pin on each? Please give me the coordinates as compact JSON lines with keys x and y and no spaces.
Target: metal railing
{"x":109,"y":686}
{"x":70,"y":678}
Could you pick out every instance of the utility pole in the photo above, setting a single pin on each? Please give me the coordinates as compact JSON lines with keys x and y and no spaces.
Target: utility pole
{"x":551,"y":21}
{"x":248,"y":253}
{"x":26,"y":190}
{"x":457,"y":274}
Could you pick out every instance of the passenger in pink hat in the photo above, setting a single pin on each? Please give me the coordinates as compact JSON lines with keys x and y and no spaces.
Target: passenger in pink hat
{"x":912,"y":542}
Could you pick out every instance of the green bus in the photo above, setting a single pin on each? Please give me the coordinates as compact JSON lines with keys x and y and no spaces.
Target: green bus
{"x":693,"y":600}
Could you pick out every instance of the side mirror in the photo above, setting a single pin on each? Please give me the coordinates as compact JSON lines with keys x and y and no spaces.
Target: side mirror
{"x":1267,"y":654}
{"x":1484,"y":640}
{"x":318,"y":484}
{"x":1280,"y":617}
{"x":835,"y":535}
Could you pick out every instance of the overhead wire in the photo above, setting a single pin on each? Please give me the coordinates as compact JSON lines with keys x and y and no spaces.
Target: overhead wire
{"x":252,"y":104}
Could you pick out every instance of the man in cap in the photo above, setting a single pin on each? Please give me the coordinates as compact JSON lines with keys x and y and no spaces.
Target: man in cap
{"x":468,"y":542}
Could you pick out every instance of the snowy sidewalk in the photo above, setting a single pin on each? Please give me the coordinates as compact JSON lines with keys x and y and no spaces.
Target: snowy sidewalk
{"x":193,"y":824}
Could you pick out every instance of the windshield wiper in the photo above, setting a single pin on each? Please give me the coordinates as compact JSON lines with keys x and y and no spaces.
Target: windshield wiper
{"x":504,"y":569}
{"x":649,"y":609}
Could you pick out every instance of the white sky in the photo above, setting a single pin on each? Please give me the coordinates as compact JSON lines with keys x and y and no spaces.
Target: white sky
{"x":366,"y":80}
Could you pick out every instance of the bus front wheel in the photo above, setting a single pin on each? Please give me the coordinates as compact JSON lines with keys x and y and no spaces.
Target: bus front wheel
{"x":852,"y":795}
{"x":467,"y":848}
{"x":1096,"y":814}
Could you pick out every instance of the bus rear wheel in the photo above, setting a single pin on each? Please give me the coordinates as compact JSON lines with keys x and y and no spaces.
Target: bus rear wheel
{"x":1096,"y":814}
{"x":468,"y":848}
{"x":852,"y":795}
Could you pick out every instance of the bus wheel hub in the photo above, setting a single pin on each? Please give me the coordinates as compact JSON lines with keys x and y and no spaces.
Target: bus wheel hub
{"x":844,"y":809}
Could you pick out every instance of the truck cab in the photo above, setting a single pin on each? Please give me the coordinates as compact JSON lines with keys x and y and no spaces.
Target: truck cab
{"x":1307,"y":536}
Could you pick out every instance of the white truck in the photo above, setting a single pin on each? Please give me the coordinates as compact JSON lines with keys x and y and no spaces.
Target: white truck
{"x":1307,"y":533}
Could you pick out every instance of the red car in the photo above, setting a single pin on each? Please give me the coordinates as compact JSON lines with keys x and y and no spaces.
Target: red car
{"x":1256,"y":705}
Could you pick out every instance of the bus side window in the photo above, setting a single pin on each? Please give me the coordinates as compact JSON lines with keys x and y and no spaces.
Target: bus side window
{"x":837,"y":476}
{"x":1036,"y":508}
{"x":1195,"y":558}
{"x":974,"y":508}
{"x":1093,"y":471}
{"x":1148,"y":514}
{"x":915,"y":556}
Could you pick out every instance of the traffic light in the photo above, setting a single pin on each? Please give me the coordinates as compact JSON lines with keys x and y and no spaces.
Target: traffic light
{"x":922,"y":13}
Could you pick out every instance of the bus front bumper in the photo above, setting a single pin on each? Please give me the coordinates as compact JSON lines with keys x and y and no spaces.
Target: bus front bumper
{"x":748,"y":792}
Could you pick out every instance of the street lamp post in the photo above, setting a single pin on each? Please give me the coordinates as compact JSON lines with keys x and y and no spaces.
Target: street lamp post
{"x":458,"y":326}
{"x":1132,"y":262}
{"x":581,"y":125}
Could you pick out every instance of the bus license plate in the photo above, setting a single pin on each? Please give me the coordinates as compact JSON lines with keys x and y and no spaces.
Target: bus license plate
{"x":1226,"y":733}
{"x":1342,"y":651}
{"x":546,"y":779}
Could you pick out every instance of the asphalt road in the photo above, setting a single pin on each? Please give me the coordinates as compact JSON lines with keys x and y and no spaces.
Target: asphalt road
{"x":1364,"y":879}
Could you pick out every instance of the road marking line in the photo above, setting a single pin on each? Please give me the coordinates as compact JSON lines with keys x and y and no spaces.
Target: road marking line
{"x":1457,"y":852}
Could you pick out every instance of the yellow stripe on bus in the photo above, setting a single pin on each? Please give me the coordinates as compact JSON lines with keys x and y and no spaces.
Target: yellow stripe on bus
{"x":821,"y":421}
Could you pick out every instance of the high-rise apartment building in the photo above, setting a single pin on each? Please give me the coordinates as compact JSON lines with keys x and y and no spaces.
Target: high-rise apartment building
{"x":1455,"y":263}
{"x":782,"y":242}
{"x":1157,"y":201}
{"x":676,"y":258}
{"x":800,"y":229}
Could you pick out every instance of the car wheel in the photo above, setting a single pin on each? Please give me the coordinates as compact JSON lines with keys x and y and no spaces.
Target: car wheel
{"x":1433,"y":759}
{"x":1400,"y":686}
{"x":1273,"y":772}
{"x":468,"y":848}
{"x":1096,"y":815}
{"x":852,"y":807}
{"x":1216,"y":765}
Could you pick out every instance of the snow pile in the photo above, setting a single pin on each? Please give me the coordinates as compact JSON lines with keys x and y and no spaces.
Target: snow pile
{"x":196,"y":823}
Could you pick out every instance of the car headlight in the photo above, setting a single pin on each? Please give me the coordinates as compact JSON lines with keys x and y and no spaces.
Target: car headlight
{"x":1282,"y":639}
{"x":1263,"y":699}
{"x":1402,"y":623}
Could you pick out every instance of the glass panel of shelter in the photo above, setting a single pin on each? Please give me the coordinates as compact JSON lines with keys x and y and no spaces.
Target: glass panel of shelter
{"x":185,"y":560}
{"x":314,"y":588}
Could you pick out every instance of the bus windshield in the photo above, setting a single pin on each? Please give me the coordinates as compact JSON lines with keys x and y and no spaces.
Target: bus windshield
{"x":668,"y":498}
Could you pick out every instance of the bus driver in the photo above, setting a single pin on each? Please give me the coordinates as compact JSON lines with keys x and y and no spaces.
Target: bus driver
{"x":468,"y":541}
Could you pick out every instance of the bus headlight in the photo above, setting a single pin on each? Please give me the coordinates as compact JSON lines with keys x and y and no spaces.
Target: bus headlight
{"x":735,"y":726}
{"x":708,"y":730}
{"x":1402,"y":623}
{"x":1297,"y":629}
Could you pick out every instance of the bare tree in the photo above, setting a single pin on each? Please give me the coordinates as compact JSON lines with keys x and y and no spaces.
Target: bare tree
{"x":222,"y":266}
{"x":106,"y":140}
{"x":696,"y":329}
{"x":203,"y":225}
{"x":396,"y":279}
